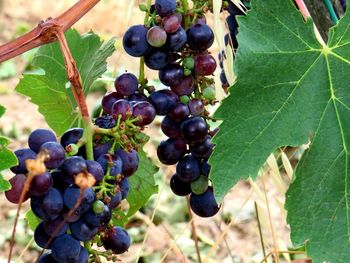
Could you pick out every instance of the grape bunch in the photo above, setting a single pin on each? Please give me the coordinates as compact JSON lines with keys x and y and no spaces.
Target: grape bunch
{"x":177,"y":46}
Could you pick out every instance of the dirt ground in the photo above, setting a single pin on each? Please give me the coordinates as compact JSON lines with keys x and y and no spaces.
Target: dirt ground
{"x":230,"y":237}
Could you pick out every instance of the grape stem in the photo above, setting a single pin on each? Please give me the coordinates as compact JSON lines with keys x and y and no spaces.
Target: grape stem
{"x":185,"y":8}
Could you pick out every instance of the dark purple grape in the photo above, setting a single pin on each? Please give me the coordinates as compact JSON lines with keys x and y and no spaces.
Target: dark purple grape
{"x":179,"y":112}
{"x":115,"y":200}
{"x":188,"y":169}
{"x":204,"y":205}
{"x":121,"y":108}
{"x":135,"y":41}
{"x":56,"y":154}
{"x":124,"y":187}
{"x":137,"y":97}
{"x":117,"y":240}
{"x":58,"y":180}
{"x":205,"y":168}
{"x":71,"y":136}
{"x":47,"y":258}
{"x":157,"y":59}
{"x":171,"y":75}
{"x":40,"y":136}
{"x":109,"y":99}
{"x":130,"y":161}
{"x":41,"y":238}
{"x":82,"y":231}
{"x":49,"y":206}
{"x":70,"y":216}
{"x":204,"y":150}
{"x":194,"y":130}
{"x":106,"y":122}
{"x":17,"y":184}
{"x":171,"y":24}
{"x":185,"y":87}
{"x":156,"y":36}
{"x":126,"y":84}
{"x":113,"y":161}
{"x":179,"y":187}
{"x":72,"y":196}
{"x":71,"y":167}
{"x":170,"y":128}
{"x":171,"y":151}
{"x":165,"y":7}
{"x":95,"y":169}
{"x":145,"y":111}
{"x":204,"y":65}
{"x":22,"y":155}
{"x":163,"y":100}
{"x":66,"y":249}
{"x":101,"y":149}
{"x":98,"y":220}
{"x":200,"y":37}
{"x":177,"y":40}
{"x":55,"y":228}
{"x":196,"y":107}
{"x":41,"y":184}
{"x":223,"y":78}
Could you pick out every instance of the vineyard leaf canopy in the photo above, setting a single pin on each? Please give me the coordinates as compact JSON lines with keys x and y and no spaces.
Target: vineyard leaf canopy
{"x":291,"y":89}
{"x":51,"y":91}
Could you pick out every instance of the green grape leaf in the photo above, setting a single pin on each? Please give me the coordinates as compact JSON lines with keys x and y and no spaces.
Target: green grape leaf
{"x":291,"y":89}
{"x":4,"y":184}
{"x":32,"y":220}
{"x":142,"y":184}
{"x":50,"y":89}
{"x":119,"y":218}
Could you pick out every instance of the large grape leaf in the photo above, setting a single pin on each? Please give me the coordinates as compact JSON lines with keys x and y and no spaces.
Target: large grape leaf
{"x":51,"y":90}
{"x":142,"y":184}
{"x":291,"y":89}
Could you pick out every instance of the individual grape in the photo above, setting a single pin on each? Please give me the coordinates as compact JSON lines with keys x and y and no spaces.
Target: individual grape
{"x":135,"y":41}
{"x":72,"y":197}
{"x":177,"y":40}
{"x":171,"y":23}
{"x":185,"y":87}
{"x":113,"y":161}
{"x":163,"y":100}
{"x":165,"y":7}
{"x":204,"y":150}
{"x":82,"y":231}
{"x":170,"y":128}
{"x":179,"y":187}
{"x":106,"y":122}
{"x":40,"y":136}
{"x":200,"y":185}
{"x":117,"y":240}
{"x":185,"y":99}
{"x":49,"y":206}
{"x":58,"y":180}
{"x":98,"y":207}
{"x":205,"y":168}
{"x":196,"y":107}
{"x":194,"y":130}
{"x":101,"y":149}
{"x":17,"y":184}
{"x":56,"y":154}
{"x":179,"y":112}
{"x":95,"y":169}
{"x":205,"y":65}
{"x":200,"y":37}
{"x":121,"y":108}
{"x":188,"y":63}
{"x":109,"y":99}
{"x":126,"y":84}
{"x":145,"y":111}
{"x":66,"y":249}
{"x":157,"y":59}
{"x":200,"y":20}
{"x":137,"y":97}
{"x":124,"y":187}
{"x":41,"y":184}
{"x":156,"y":36}
{"x":204,"y":205}
{"x":188,"y":169}
{"x":130,"y":161}
{"x":70,"y":216}
{"x":73,"y":166}
{"x":115,"y":200}
{"x":71,"y":136}
{"x":23,"y":155}
{"x":209,"y":93}
{"x":55,"y":228}
{"x":98,"y":220}
{"x":171,"y":151}
{"x":84,"y":255}
{"x":171,"y":75}
{"x":47,"y":258}
{"x":41,"y":238}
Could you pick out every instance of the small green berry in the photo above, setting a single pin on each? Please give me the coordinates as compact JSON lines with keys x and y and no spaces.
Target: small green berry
{"x":98,"y":207}
{"x":200,"y":185}
{"x":72,"y":149}
{"x":184,"y":99}
{"x":143,"y":7}
{"x":209,"y":93}
{"x":187,"y":72}
{"x":188,"y":63}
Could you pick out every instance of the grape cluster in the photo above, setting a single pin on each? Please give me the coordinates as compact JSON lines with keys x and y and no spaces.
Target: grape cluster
{"x":178,"y":48}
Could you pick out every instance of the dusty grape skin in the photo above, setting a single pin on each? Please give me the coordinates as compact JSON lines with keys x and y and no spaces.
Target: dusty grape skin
{"x":71,"y":167}
{"x":72,"y":197}
{"x":171,"y":151}
{"x":56,"y":227}
{"x":17,"y":184}
{"x":130,"y":161}
{"x":176,"y":40}
{"x":109,"y":99}
{"x":82,"y":231}
{"x":66,"y":249}
{"x":184,"y":87}
{"x":194,"y":130}
{"x":121,"y":109}
{"x":126,"y":84}
{"x":40,"y":136}
{"x":188,"y":169}
{"x":145,"y":111}
{"x":171,"y":75}
{"x":116,"y":239}
{"x":95,"y":169}
{"x":56,"y":154}
{"x":135,"y":41}
{"x":171,"y":23}
{"x":196,"y":107}
{"x":179,"y":112}
{"x":204,"y":205}
{"x":41,"y":184}
{"x":179,"y":187}
{"x":98,"y":220}
{"x":165,"y":7}
{"x":48,"y":206}
{"x":157,"y":59}
{"x":41,"y":238}
{"x":163,"y":101}
{"x":170,"y":128}
{"x":200,"y":37}
{"x":22,"y":155}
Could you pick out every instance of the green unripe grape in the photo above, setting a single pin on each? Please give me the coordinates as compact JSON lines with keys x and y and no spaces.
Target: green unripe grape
{"x":187,"y":72}
{"x":199,"y":186}
{"x":72,"y":149}
{"x":184,"y":99}
{"x":209,"y":93}
{"x":143,"y":7}
{"x":98,"y":207}
{"x":188,"y":63}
